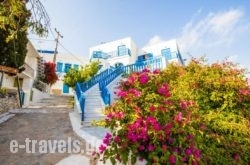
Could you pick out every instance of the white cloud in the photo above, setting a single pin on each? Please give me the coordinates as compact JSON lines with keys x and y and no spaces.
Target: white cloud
{"x":215,"y":29}
{"x":154,"y":40}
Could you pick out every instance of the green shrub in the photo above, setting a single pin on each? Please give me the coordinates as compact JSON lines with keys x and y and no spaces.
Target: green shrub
{"x":3,"y":91}
{"x":85,"y":73}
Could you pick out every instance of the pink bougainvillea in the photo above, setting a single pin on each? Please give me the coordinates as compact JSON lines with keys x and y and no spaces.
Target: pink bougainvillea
{"x":177,"y":116}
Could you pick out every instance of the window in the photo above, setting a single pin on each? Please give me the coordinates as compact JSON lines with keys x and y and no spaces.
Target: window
{"x":122,"y":50}
{"x":59,"y":66}
{"x":145,"y":57}
{"x":76,"y":66}
{"x":67,"y":67}
{"x":97,"y":54}
{"x":166,"y":53}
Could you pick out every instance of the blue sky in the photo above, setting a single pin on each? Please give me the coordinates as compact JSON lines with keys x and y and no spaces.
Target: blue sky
{"x":217,"y":29}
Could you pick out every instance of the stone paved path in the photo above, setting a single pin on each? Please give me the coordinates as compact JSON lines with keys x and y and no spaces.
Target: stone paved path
{"x":54,"y":125}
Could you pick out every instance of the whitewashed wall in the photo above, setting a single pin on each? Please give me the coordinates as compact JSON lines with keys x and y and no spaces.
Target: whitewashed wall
{"x":156,"y":48}
{"x":112,"y":47}
{"x":64,"y":58}
{"x":38,"y":95}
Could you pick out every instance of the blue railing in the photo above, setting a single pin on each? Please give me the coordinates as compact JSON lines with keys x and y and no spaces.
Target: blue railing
{"x":105,"y":81}
{"x":94,"y":80}
{"x":83,"y":87}
{"x":81,"y":99}
{"x":152,"y":64}
{"x":139,"y":66}
{"x":107,"y":76}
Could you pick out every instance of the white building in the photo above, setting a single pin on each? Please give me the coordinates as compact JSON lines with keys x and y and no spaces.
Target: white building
{"x":63,"y":63}
{"x":168,"y":49}
{"x":26,"y":77}
{"x":123,"y":57}
{"x":115,"y":53}
{"x":124,"y":52}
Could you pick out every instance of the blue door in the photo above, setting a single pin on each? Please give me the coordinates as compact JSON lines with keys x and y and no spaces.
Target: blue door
{"x":65,"y":88}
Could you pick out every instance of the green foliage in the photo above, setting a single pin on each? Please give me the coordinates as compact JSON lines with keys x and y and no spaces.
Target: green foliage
{"x":13,"y":52}
{"x":97,"y":123}
{"x":85,"y":73}
{"x":3,"y":91}
{"x":13,"y":12}
{"x":197,"y":114}
{"x":15,"y":19}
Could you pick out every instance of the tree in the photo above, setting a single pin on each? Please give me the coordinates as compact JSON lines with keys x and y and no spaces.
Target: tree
{"x":15,"y":19}
{"x":85,"y":73}
{"x":14,"y":11}
{"x":50,"y":76}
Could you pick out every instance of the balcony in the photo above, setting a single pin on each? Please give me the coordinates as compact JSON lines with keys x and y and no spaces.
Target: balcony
{"x":104,"y":55}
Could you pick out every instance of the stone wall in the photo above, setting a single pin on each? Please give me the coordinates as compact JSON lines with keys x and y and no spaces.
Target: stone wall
{"x":8,"y":103}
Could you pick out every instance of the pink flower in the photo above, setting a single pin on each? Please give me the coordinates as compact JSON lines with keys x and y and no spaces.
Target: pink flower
{"x":164,"y":90}
{"x":117,"y":139}
{"x":141,"y":148}
{"x":156,"y":71}
{"x":197,"y":154}
{"x":194,"y":162}
{"x":188,"y":151}
{"x":106,"y":141}
{"x":102,"y":148}
{"x":143,"y":78}
{"x":236,"y":158}
{"x":108,"y":135}
{"x":146,"y":70}
{"x":135,"y":92}
{"x":178,"y":118}
{"x":107,"y":138}
{"x":164,"y":147}
{"x":122,"y":93}
{"x":168,"y":128}
{"x":172,"y":159}
{"x":151,"y":147}
{"x":183,"y":105}
{"x":152,"y":108}
{"x":190,"y":137}
{"x":130,"y":81}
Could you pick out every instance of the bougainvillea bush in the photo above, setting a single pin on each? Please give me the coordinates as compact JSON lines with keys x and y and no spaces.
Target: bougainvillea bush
{"x":50,"y":76}
{"x":197,"y":114}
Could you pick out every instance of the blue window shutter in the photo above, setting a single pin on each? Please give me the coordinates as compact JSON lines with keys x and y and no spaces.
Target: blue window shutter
{"x":59,"y":67}
{"x":65,"y":88}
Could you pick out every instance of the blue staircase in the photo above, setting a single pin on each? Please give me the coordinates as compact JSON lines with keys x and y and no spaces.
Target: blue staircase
{"x":93,"y":95}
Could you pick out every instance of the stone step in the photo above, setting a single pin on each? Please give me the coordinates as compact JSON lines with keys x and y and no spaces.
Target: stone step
{"x":93,"y":115}
{"x":94,"y":110}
